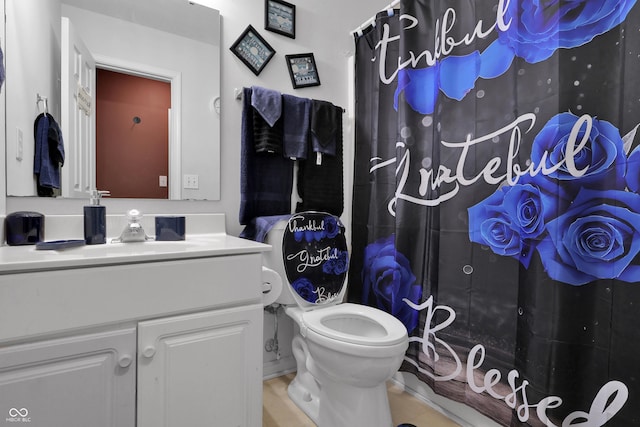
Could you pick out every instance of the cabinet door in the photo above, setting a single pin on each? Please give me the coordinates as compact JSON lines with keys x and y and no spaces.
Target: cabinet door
{"x":203,"y":369}
{"x":79,"y":381}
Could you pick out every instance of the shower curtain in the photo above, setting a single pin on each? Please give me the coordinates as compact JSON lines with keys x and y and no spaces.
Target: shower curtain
{"x":496,"y":207}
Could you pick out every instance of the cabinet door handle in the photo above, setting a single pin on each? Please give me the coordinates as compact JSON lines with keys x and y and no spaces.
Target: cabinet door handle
{"x":149,"y":351}
{"x":125,"y":360}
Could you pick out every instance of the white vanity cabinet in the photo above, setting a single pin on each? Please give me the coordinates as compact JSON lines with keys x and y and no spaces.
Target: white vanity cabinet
{"x":200,"y":367}
{"x":84,"y":380}
{"x":136,"y":335}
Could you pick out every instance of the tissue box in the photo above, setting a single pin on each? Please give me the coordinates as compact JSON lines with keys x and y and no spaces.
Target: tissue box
{"x":170,"y":228}
{"x":24,"y":228}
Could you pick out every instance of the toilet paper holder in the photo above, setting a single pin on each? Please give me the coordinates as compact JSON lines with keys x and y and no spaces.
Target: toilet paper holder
{"x":271,"y":286}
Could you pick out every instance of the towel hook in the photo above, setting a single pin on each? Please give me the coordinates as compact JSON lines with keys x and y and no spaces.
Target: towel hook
{"x":45,"y":104}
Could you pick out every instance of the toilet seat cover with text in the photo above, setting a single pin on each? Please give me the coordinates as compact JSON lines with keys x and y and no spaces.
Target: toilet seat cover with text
{"x":316,"y":258}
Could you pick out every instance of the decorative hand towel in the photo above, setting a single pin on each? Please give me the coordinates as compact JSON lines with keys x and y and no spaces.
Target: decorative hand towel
{"x":258,"y":228}
{"x":48,"y":154}
{"x":266,"y":180}
{"x":325,"y":121}
{"x":267,"y":139}
{"x":297,"y":115}
{"x":268,"y":103}
{"x":321,"y":186}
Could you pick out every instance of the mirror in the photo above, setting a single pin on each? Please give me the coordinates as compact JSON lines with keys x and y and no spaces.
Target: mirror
{"x":174,"y":41}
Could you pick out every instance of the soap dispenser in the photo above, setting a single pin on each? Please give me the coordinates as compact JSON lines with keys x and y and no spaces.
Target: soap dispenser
{"x":95,"y":219}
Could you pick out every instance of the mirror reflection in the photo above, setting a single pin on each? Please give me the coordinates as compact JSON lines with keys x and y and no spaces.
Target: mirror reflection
{"x":57,"y":50}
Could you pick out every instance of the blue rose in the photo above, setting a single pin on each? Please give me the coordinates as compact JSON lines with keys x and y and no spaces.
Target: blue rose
{"x":597,"y":238}
{"x":508,"y":221}
{"x":331,"y":226}
{"x":523,"y":203}
{"x":633,"y":170}
{"x":337,"y":266}
{"x":305,"y":289}
{"x":387,"y":279}
{"x":602,"y":158}
{"x":538,"y":28}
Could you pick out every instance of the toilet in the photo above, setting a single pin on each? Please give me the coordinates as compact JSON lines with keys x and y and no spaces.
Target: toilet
{"x":344,"y":352}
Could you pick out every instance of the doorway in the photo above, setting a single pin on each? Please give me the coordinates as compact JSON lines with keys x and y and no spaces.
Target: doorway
{"x":132,"y":135}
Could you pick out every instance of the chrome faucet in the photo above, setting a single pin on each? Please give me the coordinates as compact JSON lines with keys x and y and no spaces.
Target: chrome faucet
{"x":133,"y":232}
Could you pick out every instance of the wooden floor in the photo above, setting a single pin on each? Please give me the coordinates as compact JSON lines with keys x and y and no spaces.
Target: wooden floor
{"x":279,"y":411}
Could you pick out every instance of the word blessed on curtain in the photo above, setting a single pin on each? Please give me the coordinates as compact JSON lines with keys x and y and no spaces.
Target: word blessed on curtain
{"x":556,"y":205}
{"x":607,"y":403}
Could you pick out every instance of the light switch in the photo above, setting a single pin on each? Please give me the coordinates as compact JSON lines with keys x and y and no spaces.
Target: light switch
{"x":19,"y":144}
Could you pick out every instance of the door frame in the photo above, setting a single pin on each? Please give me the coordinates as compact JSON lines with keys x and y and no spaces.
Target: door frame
{"x":174,"y":78}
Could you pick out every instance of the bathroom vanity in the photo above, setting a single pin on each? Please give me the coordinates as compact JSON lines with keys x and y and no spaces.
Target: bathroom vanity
{"x":142,"y":334}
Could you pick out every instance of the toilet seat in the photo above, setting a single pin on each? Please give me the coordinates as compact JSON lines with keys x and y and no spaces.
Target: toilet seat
{"x":316,"y":259}
{"x":357,"y":324}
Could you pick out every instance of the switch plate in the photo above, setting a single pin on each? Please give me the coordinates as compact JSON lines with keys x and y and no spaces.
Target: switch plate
{"x":19,"y":144}
{"x":191,"y":182}
{"x":162,"y":181}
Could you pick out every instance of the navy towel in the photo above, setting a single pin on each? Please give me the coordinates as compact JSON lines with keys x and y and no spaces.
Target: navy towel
{"x":48,"y":155}
{"x":321,"y":186}
{"x":259,"y":227}
{"x":266,"y":139}
{"x":297,"y":116}
{"x":266,"y":180}
{"x":325,"y":121}
{"x":268,"y":103}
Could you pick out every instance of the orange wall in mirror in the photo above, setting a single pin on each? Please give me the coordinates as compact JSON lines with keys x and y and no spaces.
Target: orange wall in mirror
{"x":132,"y":135}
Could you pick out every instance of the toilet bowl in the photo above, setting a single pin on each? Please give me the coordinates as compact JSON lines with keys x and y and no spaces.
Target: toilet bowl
{"x":344,"y":352}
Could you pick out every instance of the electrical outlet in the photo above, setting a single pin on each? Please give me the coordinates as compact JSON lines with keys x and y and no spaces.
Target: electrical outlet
{"x":162,"y":181}
{"x":19,"y":144}
{"x":191,"y":182}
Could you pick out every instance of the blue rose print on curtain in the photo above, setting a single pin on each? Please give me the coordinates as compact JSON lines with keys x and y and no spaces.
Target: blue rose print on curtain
{"x":581,"y":231}
{"x":387,"y":279}
{"x":536,"y":29}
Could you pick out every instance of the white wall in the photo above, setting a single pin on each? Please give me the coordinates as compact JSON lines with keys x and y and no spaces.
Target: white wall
{"x":321,"y":27}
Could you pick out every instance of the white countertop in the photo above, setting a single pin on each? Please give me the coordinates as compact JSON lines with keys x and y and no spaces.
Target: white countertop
{"x":20,"y":259}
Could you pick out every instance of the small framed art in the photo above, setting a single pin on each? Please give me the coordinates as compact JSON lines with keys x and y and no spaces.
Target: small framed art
{"x":280,"y":17}
{"x":303,"y":70}
{"x":253,"y":50}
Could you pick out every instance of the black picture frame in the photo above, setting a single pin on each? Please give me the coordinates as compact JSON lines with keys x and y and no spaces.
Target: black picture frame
{"x":280,"y":17}
{"x":253,"y":50}
{"x":302,"y":70}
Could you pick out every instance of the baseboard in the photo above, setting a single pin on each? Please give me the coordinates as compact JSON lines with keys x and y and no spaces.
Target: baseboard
{"x":462,"y":414}
{"x":276,"y":368}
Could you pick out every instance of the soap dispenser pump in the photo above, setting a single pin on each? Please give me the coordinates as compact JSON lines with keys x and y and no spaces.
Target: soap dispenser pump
{"x":95,"y":219}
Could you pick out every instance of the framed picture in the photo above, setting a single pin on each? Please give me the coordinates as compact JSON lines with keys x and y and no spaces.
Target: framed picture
{"x":280,"y":17}
{"x":303,"y":70}
{"x":253,"y":50}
